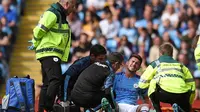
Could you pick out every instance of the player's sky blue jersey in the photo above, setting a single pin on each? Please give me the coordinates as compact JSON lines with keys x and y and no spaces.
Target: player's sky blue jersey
{"x":127,"y":90}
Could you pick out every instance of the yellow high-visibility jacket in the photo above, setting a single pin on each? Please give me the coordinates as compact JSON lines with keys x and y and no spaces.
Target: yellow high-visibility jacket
{"x":170,"y":75}
{"x":52,"y":35}
{"x":197,"y":54}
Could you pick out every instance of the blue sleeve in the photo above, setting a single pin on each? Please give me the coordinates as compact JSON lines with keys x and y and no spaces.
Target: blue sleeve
{"x":77,"y":67}
{"x":114,"y":83}
{"x":109,"y":80}
{"x":73,"y":69}
{"x":14,"y":16}
{"x":1,"y":13}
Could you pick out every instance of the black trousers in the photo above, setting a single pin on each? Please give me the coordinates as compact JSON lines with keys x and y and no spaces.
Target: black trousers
{"x":91,"y":102}
{"x":161,"y":95}
{"x":52,"y":79}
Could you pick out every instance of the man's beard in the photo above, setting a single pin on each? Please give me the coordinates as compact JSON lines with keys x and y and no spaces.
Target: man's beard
{"x":132,"y":71}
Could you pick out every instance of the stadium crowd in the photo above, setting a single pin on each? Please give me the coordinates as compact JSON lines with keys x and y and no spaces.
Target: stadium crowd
{"x":10,"y":12}
{"x":138,"y":26}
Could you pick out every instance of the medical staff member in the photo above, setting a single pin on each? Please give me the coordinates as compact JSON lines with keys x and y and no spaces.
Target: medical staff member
{"x":168,"y":81}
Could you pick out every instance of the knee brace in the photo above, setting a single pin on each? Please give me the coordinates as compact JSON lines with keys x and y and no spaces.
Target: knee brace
{"x":144,"y":109}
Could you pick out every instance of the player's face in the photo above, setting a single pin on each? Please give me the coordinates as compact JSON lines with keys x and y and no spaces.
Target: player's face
{"x":133,"y":64}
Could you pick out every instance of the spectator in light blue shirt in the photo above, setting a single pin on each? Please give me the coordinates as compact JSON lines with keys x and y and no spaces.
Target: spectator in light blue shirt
{"x":5,"y":27}
{"x":147,"y":17}
{"x":131,"y":33}
{"x":126,"y":87}
{"x":10,"y":14}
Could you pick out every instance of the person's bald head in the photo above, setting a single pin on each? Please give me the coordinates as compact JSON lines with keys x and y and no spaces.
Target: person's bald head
{"x":166,"y":49}
{"x":63,"y":1}
{"x":69,"y":5}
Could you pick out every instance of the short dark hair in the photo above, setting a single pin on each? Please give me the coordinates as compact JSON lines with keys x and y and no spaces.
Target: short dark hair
{"x":166,"y":49}
{"x":136,"y":56}
{"x":97,"y":50}
{"x":115,"y":57}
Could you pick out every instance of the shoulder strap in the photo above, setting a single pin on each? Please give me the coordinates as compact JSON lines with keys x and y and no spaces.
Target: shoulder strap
{"x":30,"y":94}
{"x":60,"y":20}
{"x":58,"y":15}
{"x":19,"y":94}
{"x":181,"y":66}
{"x":8,"y":86}
{"x":66,"y":86}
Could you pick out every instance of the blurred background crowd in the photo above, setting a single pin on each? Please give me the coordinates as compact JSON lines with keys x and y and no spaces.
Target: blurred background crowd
{"x":137,"y":26}
{"x":126,"y":26}
{"x":10,"y":12}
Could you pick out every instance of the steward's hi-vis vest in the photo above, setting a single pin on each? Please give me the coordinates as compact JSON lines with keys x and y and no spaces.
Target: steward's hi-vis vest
{"x":170,"y":75}
{"x":52,"y":35}
{"x":197,"y":54}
